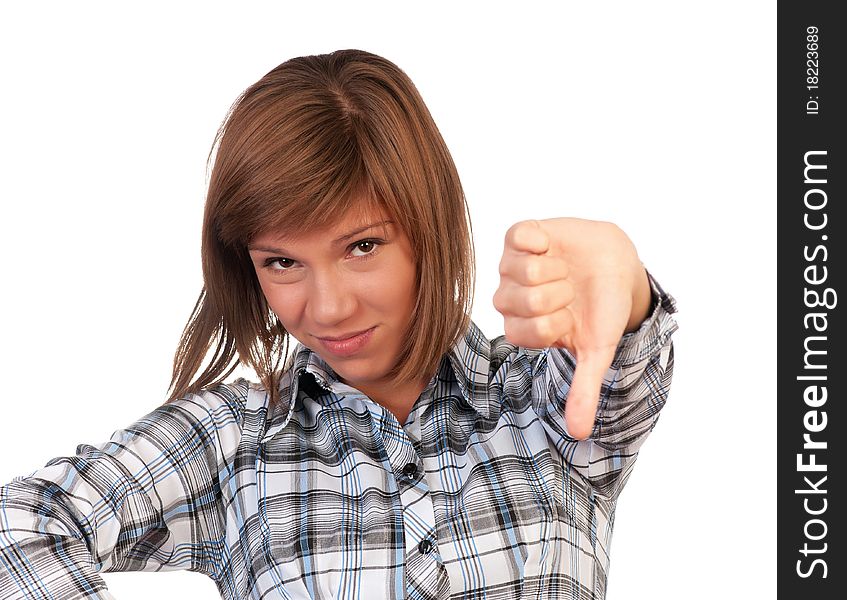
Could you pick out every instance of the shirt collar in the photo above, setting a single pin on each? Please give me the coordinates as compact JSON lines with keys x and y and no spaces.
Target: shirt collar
{"x":469,"y":359}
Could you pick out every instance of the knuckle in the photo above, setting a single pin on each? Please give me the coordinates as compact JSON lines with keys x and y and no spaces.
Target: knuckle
{"x":532,"y":271}
{"x":543,"y":330}
{"x":516,"y":233}
{"x":535,"y":301}
{"x":511,"y":232}
{"x":499,"y":301}
{"x":503,"y":268}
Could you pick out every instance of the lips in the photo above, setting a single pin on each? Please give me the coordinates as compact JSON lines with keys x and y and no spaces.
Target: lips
{"x":347,"y":346}
{"x":341,"y":338}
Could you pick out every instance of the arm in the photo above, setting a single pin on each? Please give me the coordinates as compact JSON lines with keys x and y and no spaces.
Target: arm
{"x":574,"y":284}
{"x":148,"y":499}
{"x":633,"y":390}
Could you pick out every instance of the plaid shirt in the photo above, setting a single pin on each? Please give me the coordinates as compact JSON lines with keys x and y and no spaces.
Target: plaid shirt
{"x":481,"y":493}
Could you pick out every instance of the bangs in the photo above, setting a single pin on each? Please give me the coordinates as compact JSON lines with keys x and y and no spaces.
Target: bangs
{"x":295,"y":176}
{"x":291,"y":215}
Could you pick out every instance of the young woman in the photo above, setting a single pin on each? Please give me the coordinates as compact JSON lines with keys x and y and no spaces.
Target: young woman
{"x":395,"y":452}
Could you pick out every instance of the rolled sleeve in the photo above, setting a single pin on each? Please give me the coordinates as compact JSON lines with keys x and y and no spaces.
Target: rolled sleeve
{"x":148,"y":499}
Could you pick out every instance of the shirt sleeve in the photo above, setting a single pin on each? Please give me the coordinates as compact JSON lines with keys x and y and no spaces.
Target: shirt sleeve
{"x":634,"y":390}
{"x":149,"y":499}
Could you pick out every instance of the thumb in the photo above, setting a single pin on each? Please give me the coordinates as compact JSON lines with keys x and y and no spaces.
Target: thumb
{"x":584,"y":394}
{"x":528,"y":236}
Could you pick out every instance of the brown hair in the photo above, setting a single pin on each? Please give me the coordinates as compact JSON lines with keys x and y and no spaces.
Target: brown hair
{"x":298,"y":147}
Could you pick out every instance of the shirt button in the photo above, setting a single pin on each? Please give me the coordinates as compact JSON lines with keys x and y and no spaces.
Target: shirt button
{"x":425,"y":547}
{"x":410,"y":470}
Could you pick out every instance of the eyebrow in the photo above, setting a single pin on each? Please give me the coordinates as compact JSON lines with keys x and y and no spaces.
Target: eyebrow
{"x":336,"y":241}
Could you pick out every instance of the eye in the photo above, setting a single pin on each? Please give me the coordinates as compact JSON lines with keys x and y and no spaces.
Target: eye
{"x":361,"y":250}
{"x":279,"y":263}
{"x":364,"y":247}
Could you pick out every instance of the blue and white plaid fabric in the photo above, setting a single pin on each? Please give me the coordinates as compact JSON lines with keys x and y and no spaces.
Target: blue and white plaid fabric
{"x":480,"y":494}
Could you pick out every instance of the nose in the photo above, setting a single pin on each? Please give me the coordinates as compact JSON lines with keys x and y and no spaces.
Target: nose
{"x":331,"y":300}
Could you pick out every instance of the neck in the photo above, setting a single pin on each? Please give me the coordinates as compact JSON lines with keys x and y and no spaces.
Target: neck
{"x":397,"y":398}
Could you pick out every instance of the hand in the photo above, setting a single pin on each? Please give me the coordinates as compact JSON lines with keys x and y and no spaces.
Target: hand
{"x":576,"y":284}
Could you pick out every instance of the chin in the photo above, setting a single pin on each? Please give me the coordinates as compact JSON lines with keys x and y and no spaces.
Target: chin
{"x":353,"y":374}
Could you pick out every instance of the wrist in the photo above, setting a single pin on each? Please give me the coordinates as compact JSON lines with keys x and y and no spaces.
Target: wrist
{"x":642,"y":301}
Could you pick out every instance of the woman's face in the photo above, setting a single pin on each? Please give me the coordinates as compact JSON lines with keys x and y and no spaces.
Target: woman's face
{"x":345,"y":291}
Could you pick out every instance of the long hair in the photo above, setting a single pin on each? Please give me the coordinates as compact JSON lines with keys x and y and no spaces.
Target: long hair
{"x":296,"y":150}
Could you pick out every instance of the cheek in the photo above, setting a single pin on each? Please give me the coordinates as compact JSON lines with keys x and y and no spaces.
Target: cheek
{"x":284,"y":303}
{"x":395,"y":292}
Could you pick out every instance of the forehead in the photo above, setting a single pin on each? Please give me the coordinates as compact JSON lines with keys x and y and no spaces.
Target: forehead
{"x":358,"y":216}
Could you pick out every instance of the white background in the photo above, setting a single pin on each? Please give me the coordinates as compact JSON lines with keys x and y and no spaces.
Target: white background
{"x":660,"y":117}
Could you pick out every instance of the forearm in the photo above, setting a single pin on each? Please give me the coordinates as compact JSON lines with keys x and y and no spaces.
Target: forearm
{"x":43,"y":551}
{"x":145,"y":500}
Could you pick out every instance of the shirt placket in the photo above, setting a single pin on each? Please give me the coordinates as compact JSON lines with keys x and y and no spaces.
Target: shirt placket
{"x":423,"y":563}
